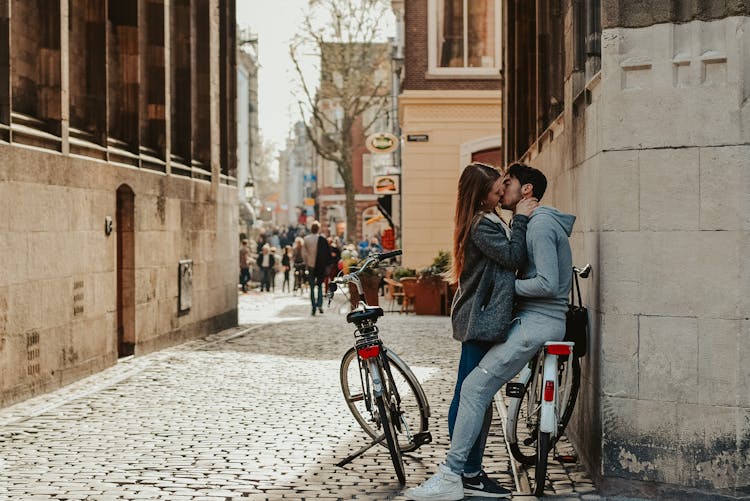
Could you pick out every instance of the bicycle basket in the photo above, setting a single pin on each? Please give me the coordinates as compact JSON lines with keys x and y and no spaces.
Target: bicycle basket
{"x":577,"y":323}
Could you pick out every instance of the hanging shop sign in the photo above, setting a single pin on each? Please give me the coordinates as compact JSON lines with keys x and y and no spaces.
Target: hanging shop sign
{"x":386,"y":185}
{"x":381,"y":142}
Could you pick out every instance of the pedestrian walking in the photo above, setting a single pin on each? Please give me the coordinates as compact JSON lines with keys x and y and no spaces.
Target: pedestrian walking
{"x":266,"y":262}
{"x":244,"y":264}
{"x":300,"y":277}
{"x":286,"y":263}
{"x":316,"y":253}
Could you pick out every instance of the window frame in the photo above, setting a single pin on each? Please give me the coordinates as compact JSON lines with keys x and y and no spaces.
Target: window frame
{"x":435,"y":71}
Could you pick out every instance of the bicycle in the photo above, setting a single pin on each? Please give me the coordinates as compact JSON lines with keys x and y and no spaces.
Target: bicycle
{"x":546,"y":392}
{"x":380,"y":390}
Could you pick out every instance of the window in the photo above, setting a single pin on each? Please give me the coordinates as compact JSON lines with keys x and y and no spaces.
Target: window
{"x":464,"y":38}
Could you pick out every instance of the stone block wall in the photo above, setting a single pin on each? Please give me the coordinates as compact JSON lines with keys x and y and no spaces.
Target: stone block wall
{"x":58,"y":280}
{"x":657,"y":168}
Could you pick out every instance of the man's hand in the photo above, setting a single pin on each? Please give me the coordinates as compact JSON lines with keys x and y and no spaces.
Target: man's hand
{"x":526,"y":206}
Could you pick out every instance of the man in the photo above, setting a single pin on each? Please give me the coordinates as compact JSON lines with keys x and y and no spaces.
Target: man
{"x":244,"y":264}
{"x":542,"y":296}
{"x":266,"y":263}
{"x":317,"y":254}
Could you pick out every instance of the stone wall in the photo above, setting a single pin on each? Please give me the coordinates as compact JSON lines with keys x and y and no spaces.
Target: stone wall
{"x":655,"y":162}
{"x":58,"y":267}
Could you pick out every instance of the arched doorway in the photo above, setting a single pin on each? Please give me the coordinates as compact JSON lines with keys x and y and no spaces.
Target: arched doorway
{"x":125,"y":224}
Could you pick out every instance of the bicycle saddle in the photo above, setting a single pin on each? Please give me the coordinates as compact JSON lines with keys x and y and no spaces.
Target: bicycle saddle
{"x":369,"y":313}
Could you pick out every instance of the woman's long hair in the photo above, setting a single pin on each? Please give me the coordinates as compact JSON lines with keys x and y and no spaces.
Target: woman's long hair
{"x":473,"y":187}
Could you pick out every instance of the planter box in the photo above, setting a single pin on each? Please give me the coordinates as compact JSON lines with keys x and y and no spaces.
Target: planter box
{"x":430,"y":296}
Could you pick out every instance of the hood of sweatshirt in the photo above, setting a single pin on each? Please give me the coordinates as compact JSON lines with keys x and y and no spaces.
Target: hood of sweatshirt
{"x":564,"y":220}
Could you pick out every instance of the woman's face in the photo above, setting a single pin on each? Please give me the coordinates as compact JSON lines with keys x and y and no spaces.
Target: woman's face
{"x":496,"y":192}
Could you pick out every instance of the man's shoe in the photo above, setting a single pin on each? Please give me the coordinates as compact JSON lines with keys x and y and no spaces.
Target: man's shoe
{"x":313,"y":312}
{"x":443,"y":486}
{"x":484,"y":486}
{"x":320,"y":310}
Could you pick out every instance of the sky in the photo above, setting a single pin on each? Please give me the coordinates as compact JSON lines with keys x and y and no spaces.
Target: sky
{"x":275,"y":22}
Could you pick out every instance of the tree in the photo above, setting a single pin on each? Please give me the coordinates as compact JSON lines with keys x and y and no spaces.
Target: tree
{"x":344,"y":35}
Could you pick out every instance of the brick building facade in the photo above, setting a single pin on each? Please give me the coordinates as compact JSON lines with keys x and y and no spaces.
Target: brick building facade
{"x":449,"y":111}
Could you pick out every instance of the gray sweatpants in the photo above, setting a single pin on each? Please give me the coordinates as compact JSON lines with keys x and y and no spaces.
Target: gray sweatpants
{"x":527,"y":333}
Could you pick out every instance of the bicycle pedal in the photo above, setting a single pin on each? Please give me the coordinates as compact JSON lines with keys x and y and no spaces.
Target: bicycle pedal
{"x":567,"y":458}
{"x":514,"y":390}
{"x":422,"y":438}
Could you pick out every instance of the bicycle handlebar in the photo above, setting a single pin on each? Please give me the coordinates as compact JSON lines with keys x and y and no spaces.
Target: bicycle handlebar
{"x":369,"y":262}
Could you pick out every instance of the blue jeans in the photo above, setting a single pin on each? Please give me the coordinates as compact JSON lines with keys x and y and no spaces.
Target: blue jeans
{"x":527,"y":333}
{"x":315,"y":283}
{"x":244,"y":278}
{"x":471,"y":353}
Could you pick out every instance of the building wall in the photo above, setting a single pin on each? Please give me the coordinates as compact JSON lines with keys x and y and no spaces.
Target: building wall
{"x":58,"y":267}
{"x":430,"y":172}
{"x":654,"y":159}
{"x":415,"y":57}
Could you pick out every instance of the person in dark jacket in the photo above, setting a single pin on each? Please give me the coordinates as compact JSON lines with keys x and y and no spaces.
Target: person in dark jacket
{"x":486,"y":255}
{"x":266,"y":262}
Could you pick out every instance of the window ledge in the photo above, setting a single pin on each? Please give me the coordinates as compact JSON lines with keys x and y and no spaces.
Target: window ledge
{"x":463,"y":75}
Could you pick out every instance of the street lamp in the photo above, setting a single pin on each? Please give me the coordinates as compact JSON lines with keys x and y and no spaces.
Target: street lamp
{"x":249,"y":190}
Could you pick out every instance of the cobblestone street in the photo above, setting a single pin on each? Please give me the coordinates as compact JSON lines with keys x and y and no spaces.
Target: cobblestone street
{"x":254,"y":412}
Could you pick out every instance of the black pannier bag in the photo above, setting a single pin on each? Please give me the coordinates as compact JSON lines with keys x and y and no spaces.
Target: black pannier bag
{"x":577,"y":322}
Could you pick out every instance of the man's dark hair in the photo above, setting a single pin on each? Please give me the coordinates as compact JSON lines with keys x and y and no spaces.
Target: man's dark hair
{"x":529,"y":175}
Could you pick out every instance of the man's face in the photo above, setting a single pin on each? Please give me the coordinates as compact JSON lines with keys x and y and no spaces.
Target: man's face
{"x":512,"y":193}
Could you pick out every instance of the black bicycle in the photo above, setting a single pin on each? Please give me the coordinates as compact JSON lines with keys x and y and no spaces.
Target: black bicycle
{"x":380,"y":390}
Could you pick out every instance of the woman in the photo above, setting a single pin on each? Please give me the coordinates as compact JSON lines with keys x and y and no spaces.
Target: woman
{"x":486,"y":255}
{"x":286,"y":262}
{"x":299,"y":265}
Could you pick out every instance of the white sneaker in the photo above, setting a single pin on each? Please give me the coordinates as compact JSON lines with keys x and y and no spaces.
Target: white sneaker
{"x":442,"y":486}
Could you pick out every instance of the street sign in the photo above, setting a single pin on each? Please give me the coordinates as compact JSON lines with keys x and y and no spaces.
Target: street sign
{"x":381,"y":142}
{"x":419,"y":138}
{"x":309,"y":202}
{"x":386,"y":185}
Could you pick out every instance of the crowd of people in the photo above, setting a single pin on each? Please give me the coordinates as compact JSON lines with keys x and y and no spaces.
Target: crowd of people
{"x":278,"y":254}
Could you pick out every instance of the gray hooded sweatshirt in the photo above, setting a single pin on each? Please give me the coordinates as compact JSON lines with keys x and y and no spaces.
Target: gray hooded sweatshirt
{"x":544,"y":284}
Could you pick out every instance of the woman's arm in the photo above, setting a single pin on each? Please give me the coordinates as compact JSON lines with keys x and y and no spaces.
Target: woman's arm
{"x":491,"y":241}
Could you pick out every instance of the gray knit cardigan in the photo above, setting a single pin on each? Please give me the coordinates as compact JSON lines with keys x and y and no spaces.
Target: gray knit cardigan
{"x":483,"y":305}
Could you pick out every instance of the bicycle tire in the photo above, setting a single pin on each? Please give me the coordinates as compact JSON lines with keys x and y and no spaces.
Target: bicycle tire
{"x":540,"y":473}
{"x":575,"y":385}
{"x":520,"y":440}
{"x":523,"y":429}
{"x":391,"y":439}
{"x":414,"y":414}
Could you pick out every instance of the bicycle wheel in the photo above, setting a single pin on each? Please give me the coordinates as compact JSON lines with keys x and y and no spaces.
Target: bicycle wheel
{"x":523,"y":420}
{"x":414,"y":409}
{"x":391,"y":439}
{"x":540,"y":473}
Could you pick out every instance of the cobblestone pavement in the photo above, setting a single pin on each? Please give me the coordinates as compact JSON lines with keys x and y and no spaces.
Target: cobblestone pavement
{"x":254,"y":412}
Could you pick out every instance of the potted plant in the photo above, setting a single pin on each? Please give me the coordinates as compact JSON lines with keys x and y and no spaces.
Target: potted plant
{"x":432,"y":288}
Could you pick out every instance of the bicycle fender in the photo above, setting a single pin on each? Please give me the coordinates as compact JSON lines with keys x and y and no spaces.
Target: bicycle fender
{"x":377,"y":380}
{"x":548,"y":418}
